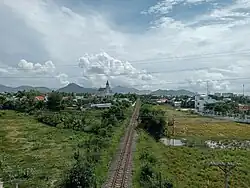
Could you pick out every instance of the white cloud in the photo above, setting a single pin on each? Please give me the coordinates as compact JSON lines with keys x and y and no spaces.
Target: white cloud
{"x":165,"y":6}
{"x":47,"y":67}
{"x":67,"y":35}
{"x":102,"y":66}
{"x":63,"y":78}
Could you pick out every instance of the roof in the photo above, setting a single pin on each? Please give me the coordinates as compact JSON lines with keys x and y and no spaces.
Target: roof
{"x":102,"y":89}
{"x":40,"y":98}
{"x":103,"y":105}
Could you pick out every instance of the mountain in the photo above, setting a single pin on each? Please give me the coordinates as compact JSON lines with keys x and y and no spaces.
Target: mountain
{"x":74,"y":88}
{"x":22,"y":88}
{"x":143,"y":92}
{"x":121,"y":89}
{"x":172,"y":92}
{"x":4,"y":88}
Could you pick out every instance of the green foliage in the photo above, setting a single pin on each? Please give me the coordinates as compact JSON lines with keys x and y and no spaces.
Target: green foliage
{"x":8,"y":105}
{"x":54,"y":101}
{"x":33,"y":154}
{"x":150,"y":177}
{"x":52,"y":119}
{"x":2,"y":99}
{"x":81,"y":175}
{"x":153,"y":121}
{"x":63,"y":120}
{"x":223,"y":107}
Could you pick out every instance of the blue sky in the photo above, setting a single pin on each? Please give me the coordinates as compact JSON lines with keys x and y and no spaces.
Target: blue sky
{"x":133,"y":43}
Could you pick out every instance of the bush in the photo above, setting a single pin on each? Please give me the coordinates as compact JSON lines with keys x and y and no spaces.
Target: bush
{"x":153,"y":121}
{"x":81,"y":175}
{"x":149,"y":177}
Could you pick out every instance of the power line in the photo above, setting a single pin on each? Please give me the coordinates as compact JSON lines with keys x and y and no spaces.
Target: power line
{"x":179,"y":82}
{"x":204,"y":55}
{"x":167,"y":59}
{"x":139,"y":73}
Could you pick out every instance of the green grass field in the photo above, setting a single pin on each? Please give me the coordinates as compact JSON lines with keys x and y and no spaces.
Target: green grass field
{"x":32,"y":153}
{"x":188,"y":166}
{"x":191,"y":125}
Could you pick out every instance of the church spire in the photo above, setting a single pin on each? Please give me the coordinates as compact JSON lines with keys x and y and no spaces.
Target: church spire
{"x":107,"y":83}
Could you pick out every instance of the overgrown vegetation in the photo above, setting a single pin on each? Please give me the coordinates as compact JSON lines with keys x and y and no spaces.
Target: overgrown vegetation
{"x":153,"y":121}
{"x":32,"y":154}
{"x":149,"y":176}
{"x":185,"y":166}
{"x":90,"y":154}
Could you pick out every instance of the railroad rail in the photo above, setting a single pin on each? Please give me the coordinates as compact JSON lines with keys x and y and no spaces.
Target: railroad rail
{"x":122,"y":171}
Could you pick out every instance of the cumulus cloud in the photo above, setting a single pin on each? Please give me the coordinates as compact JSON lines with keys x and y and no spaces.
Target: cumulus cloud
{"x":47,"y":67}
{"x":67,"y":34}
{"x":102,"y":66}
{"x":63,"y":78}
{"x":165,"y":6}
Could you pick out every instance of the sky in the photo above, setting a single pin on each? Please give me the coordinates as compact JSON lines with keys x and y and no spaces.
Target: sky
{"x":166,"y":44}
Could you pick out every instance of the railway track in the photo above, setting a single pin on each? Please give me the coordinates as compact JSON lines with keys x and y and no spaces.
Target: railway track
{"x":123,"y":166}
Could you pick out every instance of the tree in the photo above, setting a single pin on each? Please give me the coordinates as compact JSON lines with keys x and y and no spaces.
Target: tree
{"x":153,"y":121}
{"x":54,"y":101}
{"x":2,"y":99}
{"x":81,"y":175}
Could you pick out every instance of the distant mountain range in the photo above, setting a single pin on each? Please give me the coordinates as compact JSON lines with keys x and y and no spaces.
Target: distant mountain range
{"x":4,"y":88}
{"x":74,"y":88}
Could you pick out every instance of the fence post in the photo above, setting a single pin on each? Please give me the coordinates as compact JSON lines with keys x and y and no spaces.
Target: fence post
{"x":16,"y":185}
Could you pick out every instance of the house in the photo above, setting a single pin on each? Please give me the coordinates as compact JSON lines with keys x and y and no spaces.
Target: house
{"x":105,"y":91}
{"x":41,"y":98}
{"x":161,"y":101}
{"x":201,"y":101}
{"x":177,"y":104}
{"x":243,"y":107}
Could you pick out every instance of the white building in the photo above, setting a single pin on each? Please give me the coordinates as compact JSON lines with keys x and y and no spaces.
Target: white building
{"x":177,"y":104}
{"x":103,"y":105}
{"x":227,"y":95}
{"x":201,"y":101}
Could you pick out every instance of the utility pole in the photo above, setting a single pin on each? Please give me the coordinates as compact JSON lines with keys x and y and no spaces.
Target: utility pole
{"x":243,"y":90}
{"x":207,"y":88}
{"x":226,"y":167}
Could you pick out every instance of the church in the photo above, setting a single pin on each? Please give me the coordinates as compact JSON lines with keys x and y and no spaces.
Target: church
{"x":105,"y":91}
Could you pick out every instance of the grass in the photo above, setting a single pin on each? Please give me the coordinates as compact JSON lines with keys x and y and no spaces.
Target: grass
{"x":26,"y":145}
{"x":47,"y":151}
{"x":188,"y":166}
{"x":191,"y":125}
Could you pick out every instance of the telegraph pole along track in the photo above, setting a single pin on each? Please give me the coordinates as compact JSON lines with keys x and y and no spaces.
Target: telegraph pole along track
{"x":121,"y":170}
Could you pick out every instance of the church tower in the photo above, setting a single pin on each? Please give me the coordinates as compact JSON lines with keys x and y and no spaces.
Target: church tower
{"x":108,"y":89}
{"x":107,"y":84}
